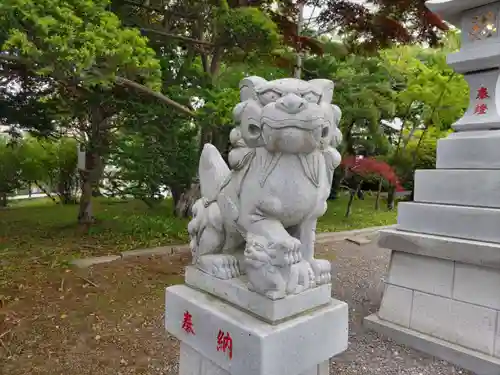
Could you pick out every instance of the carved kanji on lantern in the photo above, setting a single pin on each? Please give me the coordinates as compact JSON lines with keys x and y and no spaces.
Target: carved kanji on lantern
{"x":225,"y":343}
{"x":482,"y":93}
{"x":187,"y":323}
{"x":480,"y":109}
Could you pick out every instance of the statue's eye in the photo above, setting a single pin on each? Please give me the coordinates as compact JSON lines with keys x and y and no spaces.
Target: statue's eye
{"x":311,"y":97}
{"x":269,"y":96}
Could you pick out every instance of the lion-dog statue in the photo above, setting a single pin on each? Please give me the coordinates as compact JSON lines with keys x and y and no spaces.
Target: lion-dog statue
{"x":258,"y":215}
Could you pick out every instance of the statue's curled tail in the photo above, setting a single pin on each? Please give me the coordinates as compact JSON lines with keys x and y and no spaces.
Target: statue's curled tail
{"x":206,"y":229}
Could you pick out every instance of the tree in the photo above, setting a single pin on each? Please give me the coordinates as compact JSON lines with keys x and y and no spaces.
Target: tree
{"x":203,"y":40}
{"x":430,"y":95}
{"x":217,"y":32}
{"x":376,"y":24}
{"x":90,"y":59}
{"x":363,"y":91}
{"x":154,"y":152}
{"x":365,"y":168}
{"x":420,"y":153}
{"x":10,"y":170}
{"x":52,"y":166}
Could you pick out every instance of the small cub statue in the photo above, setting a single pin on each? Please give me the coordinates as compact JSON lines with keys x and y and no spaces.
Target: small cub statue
{"x":258,"y":215}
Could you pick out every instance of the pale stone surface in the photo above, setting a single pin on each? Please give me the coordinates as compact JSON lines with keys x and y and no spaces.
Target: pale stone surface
{"x":458,"y":187}
{"x":88,"y":262}
{"x":236,"y":292}
{"x":193,"y":363}
{"x":163,"y":250}
{"x":258,"y":215}
{"x":464,"y":61}
{"x":473,"y":223}
{"x":477,"y":53}
{"x":469,"y":150}
{"x":426,"y":274}
{"x":322,"y":238}
{"x":455,"y":219}
{"x":452,"y":11}
{"x":292,"y":347}
{"x":449,"y":248}
{"x":485,"y":117}
{"x":477,"y":285}
{"x":472,"y":360}
{"x":496,"y":352}
{"x":359,"y":240}
{"x":458,"y":322}
{"x":324,"y":368}
{"x":396,"y":305}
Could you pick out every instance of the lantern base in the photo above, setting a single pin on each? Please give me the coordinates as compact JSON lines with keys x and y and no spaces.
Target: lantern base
{"x":474,"y":361}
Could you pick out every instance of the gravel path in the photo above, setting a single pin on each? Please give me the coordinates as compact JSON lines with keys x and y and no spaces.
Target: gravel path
{"x":359,"y":282}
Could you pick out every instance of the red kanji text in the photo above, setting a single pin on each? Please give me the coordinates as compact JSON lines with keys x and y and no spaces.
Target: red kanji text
{"x":480,"y":109}
{"x":187,"y":323}
{"x":225,"y":343}
{"x":482,"y":93}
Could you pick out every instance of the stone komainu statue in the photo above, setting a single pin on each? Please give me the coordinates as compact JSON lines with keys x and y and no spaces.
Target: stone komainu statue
{"x":258,"y":215}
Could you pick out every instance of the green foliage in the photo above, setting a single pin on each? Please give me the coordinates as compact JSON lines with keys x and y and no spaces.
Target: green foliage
{"x":430,"y":97}
{"x":11,"y":174}
{"x":428,"y":91}
{"x":61,"y":168}
{"x":75,"y":39}
{"x":154,"y":152}
{"x":248,"y":29}
{"x":49,"y":163}
{"x":418,"y":154}
{"x":364,"y":93}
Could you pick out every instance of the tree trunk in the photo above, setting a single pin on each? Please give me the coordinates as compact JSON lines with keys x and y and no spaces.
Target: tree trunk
{"x":3,"y":200}
{"x":391,"y":195}
{"x":338,"y":175}
{"x":187,"y":200}
{"x":46,"y":192}
{"x":93,"y":153}
{"x":85,"y":214}
{"x":361,"y":195}
{"x":354,"y":193}
{"x":96,"y":184}
{"x":176,"y":197}
{"x":379,"y":190}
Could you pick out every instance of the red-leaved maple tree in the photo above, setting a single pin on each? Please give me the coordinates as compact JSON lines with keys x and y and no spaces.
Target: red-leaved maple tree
{"x":367,"y":167}
{"x":382,"y":22}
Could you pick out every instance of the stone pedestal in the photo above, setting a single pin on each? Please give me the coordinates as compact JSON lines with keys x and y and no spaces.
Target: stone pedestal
{"x":220,"y":338}
{"x":441,"y":293}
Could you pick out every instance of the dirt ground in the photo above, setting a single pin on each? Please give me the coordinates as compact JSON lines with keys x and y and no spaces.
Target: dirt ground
{"x":105,"y":320}
{"x":109,"y":319}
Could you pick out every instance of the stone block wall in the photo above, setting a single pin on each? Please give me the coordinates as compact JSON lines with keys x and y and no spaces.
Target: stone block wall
{"x":449,"y":300}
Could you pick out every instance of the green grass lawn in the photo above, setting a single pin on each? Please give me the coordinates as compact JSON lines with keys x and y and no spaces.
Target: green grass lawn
{"x":39,"y":228}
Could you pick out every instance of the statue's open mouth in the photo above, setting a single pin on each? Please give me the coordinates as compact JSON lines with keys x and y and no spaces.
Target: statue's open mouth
{"x":307,"y":124}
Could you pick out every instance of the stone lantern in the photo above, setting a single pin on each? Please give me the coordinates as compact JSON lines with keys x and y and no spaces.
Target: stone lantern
{"x":442,"y":291}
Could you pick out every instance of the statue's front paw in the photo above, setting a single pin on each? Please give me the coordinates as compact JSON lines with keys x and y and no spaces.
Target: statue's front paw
{"x":290,"y":252}
{"x":306,"y":276}
{"x":222,"y":266}
{"x":293,"y":256}
{"x":322,"y":271}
